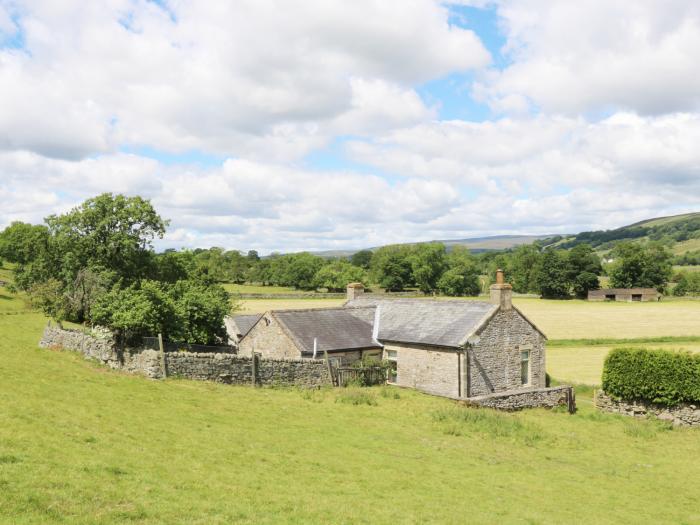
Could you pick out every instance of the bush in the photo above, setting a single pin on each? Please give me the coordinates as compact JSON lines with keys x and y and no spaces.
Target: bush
{"x":658,"y":376}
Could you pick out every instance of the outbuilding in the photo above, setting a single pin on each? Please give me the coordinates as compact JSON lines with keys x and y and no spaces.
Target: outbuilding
{"x":624,"y":294}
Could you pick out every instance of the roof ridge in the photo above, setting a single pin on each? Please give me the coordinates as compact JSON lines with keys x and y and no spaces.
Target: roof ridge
{"x":321,"y":309}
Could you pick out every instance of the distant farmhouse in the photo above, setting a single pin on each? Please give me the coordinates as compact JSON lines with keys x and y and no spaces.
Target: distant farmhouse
{"x":624,"y":294}
{"x":453,"y":348}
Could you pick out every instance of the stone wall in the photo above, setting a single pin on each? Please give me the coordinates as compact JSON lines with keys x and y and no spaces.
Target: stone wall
{"x":684,"y":414}
{"x":225,"y":368}
{"x":494,"y":362}
{"x":536,"y":397}
{"x":427,"y":368}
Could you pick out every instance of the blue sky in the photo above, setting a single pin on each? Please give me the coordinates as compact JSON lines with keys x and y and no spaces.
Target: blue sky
{"x":308,"y":127}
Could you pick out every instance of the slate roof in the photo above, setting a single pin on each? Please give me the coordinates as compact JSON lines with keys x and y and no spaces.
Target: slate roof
{"x":430,"y":322}
{"x":625,"y":291}
{"x":241,"y":324}
{"x":334,"y":328}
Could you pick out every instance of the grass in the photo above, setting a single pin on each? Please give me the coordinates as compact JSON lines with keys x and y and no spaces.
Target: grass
{"x":250,"y":288}
{"x":82,"y":444}
{"x":584,"y":364}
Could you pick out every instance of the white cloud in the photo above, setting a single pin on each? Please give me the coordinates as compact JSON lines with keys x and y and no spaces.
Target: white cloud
{"x":246,"y":78}
{"x":571,"y":57}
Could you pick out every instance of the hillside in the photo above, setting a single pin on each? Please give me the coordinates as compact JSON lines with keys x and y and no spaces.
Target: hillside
{"x":475,"y":244}
{"x":681,"y":233}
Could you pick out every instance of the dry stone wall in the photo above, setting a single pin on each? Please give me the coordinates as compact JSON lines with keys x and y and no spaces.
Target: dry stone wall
{"x":538,"y":397}
{"x":684,"y":414}
{"x":225,"y":368}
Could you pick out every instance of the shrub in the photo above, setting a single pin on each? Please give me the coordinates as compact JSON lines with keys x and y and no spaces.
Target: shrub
{"x":356,"y":397}
{"x":659,"y":376}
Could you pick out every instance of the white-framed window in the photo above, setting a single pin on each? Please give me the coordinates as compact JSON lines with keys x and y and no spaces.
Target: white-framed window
{"x":524,"y":367}
{"x":392,"y":375}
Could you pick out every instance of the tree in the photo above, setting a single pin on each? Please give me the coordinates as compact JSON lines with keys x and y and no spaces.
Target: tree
{"x":49,"y":297}
{"x":109,"y":231}
{"x":462,"y":275}
{"x":638,"y":265}
{"x":23,"y":243}
{"x":336,"y":275}
{"x":584,"y":269}
{"x":301,"y":269}
{"x":520,"y":268}
{"x":362,"y":259}
{"x":391,"y":267}
{"x":552,"y":275}
{"x":199,"y":312}
{"x":428,"y":264}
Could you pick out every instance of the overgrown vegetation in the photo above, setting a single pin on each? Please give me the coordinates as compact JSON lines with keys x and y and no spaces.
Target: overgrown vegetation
{"x":658,"y":376}
{"x":95,"y":264}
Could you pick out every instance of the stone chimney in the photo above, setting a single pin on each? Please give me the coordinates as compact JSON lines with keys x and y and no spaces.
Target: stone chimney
{"x":502,"y":292}
{"x":355,"y":290}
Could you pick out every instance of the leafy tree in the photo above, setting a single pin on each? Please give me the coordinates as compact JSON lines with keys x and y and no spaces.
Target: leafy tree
{"x":391,"y":267}
{"x":428,"y":264}
{"x":301,"y":269}
{"x":172,"y":266}
{"x":687,"y":283}
{"x":552,"y":275}
{"x":519,"y":269}
{"x":109,"y":231}
{"x":199,"y":312}
{"x":638,"y":265}
{"x":362,"y":259}
{"x":584,"y":269}
{"x":336,"y":276}
{"x":143,"y":309}
{"x":23,"y":243}
{"x":462,"y":275}
{"x":49,"y":297}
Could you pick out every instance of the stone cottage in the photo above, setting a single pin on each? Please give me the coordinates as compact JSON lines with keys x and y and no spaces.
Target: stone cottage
{"x":344,"y":333}
{"x":454,"y":348}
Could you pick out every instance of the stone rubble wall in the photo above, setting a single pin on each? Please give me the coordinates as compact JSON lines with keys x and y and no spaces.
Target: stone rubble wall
{"x":224,"y":368}
{"x":684,"y":414}
{"x":518,"y":399}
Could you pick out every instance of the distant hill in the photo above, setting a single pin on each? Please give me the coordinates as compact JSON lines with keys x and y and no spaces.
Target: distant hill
{"x":476,"y":244}
{"x":680,"y":232}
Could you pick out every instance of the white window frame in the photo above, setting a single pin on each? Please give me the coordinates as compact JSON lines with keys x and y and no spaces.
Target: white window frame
{"x":522,"y":350}
{"x":393,"y":357}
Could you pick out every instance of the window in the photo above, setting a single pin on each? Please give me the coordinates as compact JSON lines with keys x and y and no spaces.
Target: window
{"x":525,"y":367}
{"x":610,"y":297}
{"x":392,"y":375}
{"x":636,"y":297}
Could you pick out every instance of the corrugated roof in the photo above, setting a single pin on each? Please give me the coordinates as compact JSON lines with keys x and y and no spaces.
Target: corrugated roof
{"x":419,"y":321}
{"x":241,"y":324}
{"x":334,"y":328}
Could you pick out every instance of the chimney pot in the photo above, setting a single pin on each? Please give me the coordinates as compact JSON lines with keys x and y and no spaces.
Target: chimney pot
{"x":354,"y":290}
{"x":502,"y":292}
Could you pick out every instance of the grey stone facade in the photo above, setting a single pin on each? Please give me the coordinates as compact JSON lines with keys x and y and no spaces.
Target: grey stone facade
{"x":426,"y":368}
{"x":519,"y":399}
{"x":494,"y":360}
{"x":224,"y":368}
{"x":684,"y":414}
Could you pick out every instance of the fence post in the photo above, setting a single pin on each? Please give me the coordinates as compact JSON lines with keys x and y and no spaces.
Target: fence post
{"x":253,"y":369}
{"x":161,"y":349}
{"x":330,"y":368}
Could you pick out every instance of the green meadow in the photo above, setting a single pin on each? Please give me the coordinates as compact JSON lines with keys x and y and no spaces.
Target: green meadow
{"x":83,"y":444}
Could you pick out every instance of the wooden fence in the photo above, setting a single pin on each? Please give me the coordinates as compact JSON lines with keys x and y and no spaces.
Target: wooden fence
{"x":368,"y":376}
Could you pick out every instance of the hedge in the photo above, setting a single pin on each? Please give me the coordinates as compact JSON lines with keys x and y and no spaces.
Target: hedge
{"x":659,"y":376}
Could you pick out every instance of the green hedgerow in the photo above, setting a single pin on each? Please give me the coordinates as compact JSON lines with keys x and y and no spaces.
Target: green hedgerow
{"x":658,"y":376}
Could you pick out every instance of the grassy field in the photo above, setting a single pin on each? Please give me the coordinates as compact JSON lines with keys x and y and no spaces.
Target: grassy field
{"x":82,"y":444}
{"x":584,"y":364}
{"x":250,"y":288}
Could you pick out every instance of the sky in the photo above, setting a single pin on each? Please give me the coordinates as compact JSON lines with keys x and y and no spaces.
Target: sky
{"x":303,"y":125}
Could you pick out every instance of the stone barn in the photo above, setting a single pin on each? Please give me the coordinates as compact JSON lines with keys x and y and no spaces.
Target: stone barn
{"x":238,"y":326}
{"x":454,"y":348}
{"x":624,"y":294}
{"x":345,"y":333}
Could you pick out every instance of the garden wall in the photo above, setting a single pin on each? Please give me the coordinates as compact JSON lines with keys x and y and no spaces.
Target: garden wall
{"x":225,"y":368}
{"x":683,"y":414}
{"x":538,"y":397}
